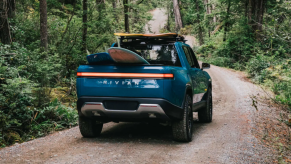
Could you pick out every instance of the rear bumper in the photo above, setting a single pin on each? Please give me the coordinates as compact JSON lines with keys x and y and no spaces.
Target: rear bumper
{"x":148,"y":109}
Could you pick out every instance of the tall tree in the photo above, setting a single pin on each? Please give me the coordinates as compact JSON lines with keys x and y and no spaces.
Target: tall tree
{"x":7,"y":8}
{"x":43,"y":24}
{"x":85,"y":26}
{"x":256,"y":9}
{"x":11,"y":8}
{"x":226,"y":24}
{"x":208,"y":11}
{"x":126,"y":11}
{"x":206,"y":6}
{"x":178,"y":19}
{"x":260,"y":15}
{"x":200,"y":30}
{"x":213,"y":8}
{"x":169,"y":16}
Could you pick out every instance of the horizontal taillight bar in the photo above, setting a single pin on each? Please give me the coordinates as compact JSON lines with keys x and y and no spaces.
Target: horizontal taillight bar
{"x":125,"y":75}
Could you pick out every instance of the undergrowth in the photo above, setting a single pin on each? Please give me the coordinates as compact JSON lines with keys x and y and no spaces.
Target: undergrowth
{"x":273,"y":72}
{"x":266,"y":61}
{"x":37,"y":88}
{"x":27,"y":123}
{"x":34,"y":99}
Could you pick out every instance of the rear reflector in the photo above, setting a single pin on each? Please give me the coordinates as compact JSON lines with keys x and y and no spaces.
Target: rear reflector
{"x":125,"y":75}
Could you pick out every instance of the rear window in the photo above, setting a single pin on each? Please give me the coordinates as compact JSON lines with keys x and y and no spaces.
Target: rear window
{"x":162,"y":54}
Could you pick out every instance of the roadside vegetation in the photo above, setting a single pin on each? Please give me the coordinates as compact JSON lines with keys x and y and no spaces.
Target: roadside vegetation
{"x":263,"y":53}
{"x":44,"y":41}
{"x":38,"y":64}
{"x":251,"y":36}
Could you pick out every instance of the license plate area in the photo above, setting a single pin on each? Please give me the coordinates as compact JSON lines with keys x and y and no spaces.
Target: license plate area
{"x":121,"y":105}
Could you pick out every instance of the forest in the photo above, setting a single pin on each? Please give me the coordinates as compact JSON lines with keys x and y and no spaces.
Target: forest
{"x":44,"y":41}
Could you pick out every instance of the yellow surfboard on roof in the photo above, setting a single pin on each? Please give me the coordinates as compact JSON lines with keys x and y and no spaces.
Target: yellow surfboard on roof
{"x":126,"y":34}
{"x":148,"y":35}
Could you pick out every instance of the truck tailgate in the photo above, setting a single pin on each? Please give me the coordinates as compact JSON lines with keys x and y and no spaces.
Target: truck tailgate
{"x":107,"y":84}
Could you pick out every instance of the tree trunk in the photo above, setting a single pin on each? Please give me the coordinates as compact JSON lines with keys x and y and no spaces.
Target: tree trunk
{"x":254,"y":14}
{"x":43,"y":24}
{"x":256,"y":9}
{"x":126,"y":21}
{"x":11,"y":8}
{"x":169,"y":17}
{"x":260,"y":15}
{"x":208,"y":11}
{"x":85,"y":27}
{"x":206,"y":6}
{"x":4,"y":23}
{"x":200,"y":32}
{"x":226,"y":24}
{"x":178,"y":19}
{"x":214,"y":17}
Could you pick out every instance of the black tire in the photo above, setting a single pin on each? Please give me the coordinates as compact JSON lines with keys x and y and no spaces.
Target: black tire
{"x":89,"y":128}
{"x":182,"y":129}
{"x":205,"y":114}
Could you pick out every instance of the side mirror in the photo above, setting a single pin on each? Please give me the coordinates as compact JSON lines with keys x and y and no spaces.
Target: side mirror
{"x":205,"y":66}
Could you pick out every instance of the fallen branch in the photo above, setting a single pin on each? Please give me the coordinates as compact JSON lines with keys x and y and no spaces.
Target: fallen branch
{"x":216,"y":28}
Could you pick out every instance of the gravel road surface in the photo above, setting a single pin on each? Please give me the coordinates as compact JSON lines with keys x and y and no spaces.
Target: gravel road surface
{"x":228,"y":139}
{"x":158,"y":21}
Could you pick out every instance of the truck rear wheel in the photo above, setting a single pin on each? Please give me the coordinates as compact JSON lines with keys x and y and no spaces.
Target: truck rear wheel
{"x":205,"y":114}
{"x":182,"y":129}
{"x":89,"y":127}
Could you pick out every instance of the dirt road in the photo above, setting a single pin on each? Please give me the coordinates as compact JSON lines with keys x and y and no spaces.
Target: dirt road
{"x":158,"y":21}
{"x":228,"y":139}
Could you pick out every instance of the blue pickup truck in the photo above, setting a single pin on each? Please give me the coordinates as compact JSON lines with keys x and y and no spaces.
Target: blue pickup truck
{"x":168,"y":89}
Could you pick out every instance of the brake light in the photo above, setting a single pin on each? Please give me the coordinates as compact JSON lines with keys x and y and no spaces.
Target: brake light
{"x":124,"y":75}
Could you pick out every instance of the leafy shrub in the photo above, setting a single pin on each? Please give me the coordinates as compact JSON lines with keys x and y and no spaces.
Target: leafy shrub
{"x":256,"y":67}
{"x":266,"y":59}
{"x":26,"y":123}
{"x":220,"y":61}
{"x":206,"y":48}
{"x":31,"y":80}
{"x":25,"y":109}
{"x":283,"y":92}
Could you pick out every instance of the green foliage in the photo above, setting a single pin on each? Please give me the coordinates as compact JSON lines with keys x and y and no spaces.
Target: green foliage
{"x":206,"y":48}
{"x":26,"y":111}
{"x":256,"y":67}
{"x":26,"y":123}
{"x":265,"y":55}
{"x":38,"y":89}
